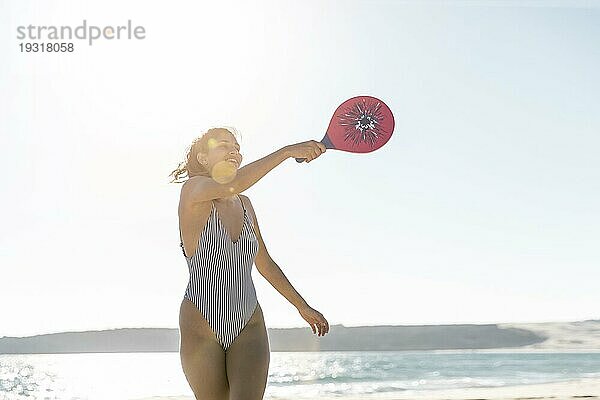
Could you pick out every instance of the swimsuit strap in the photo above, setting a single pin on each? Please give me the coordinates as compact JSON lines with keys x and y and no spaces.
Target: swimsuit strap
{"x":244,"y":208}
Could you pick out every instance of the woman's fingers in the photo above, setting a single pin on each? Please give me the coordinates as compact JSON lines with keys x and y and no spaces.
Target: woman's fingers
{"x":311,"y":149}
{"x":324,"y":326}
{"x":317,"y":322}
{"x":314,"y":326}
{"x":318,"y":146}
{"x":315,"y":151}
{"x":320,"y":325}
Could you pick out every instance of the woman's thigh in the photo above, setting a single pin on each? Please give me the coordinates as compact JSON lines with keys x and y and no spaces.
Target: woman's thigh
{"x":247,"y":360}
{"x":202,"y":357}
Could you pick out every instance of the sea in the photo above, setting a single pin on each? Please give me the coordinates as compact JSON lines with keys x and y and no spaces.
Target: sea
{"x":298,"y":375}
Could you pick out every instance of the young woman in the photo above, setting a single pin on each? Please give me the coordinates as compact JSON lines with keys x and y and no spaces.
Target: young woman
{"x":224,"y":348}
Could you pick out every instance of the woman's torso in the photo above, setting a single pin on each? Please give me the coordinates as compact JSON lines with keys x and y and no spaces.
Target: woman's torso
{"x":224,"y":246}
{"x":195,"y":218}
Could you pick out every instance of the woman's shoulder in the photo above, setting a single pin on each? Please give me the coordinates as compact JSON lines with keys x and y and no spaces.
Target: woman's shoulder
{"x":188,"y":199}
{"x":193,"y":181}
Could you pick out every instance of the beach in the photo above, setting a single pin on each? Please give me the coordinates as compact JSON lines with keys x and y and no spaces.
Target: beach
{"x":573,"y":389}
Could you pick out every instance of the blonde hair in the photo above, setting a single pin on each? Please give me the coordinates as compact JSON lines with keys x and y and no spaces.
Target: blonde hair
{"x":190,"y":166}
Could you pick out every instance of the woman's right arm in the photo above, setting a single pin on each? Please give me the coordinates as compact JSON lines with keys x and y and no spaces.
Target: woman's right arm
{"x":201,"y":188}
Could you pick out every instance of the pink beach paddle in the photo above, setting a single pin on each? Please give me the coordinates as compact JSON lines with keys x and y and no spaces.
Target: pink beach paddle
{"x":361,"y":124}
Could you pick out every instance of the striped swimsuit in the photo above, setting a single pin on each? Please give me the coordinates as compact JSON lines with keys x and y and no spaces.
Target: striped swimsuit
{"x":220,"y":283}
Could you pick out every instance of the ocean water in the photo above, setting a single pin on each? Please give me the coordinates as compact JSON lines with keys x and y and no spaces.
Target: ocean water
{"x":299,"y":375}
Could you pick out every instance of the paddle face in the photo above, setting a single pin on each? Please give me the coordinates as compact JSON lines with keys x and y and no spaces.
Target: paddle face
{"x":361,"y":124}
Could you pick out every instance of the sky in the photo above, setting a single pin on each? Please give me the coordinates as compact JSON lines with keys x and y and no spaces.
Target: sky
{"x":484,"y":206}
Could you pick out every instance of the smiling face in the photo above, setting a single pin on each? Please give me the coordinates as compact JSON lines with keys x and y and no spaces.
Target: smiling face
{"x":223,"y":157}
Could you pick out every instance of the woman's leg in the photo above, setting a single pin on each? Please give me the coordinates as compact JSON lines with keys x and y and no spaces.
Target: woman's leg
{"x":202,"y":357}
{"x":247,"y":360}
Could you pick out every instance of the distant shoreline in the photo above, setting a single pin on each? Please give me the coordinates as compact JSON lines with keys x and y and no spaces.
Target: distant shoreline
{"x":579,"y":336}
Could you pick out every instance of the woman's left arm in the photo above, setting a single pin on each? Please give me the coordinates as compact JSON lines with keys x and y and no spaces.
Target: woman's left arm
{"x":269,"y":269}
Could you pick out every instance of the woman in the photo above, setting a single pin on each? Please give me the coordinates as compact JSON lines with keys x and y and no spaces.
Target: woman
{"x":224,"y":347}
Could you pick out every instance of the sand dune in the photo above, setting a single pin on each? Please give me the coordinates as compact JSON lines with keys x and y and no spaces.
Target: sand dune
{"x":577,"y":335}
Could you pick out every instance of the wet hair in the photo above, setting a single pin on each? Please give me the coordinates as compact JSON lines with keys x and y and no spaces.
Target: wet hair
{"x":190,"y":166}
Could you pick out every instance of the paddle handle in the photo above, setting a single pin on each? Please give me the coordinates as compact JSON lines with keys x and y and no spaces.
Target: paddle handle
{"x":325,"y":141}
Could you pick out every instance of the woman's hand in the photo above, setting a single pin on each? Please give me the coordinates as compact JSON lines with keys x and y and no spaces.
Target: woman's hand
{"x":309,"y":150}
{"x":315,"y":319}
